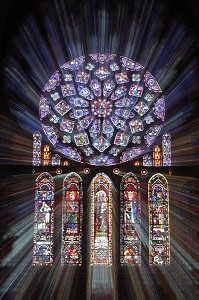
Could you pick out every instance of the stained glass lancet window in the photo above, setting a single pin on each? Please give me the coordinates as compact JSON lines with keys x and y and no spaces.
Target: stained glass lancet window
{"x":130,"y":244}
{"x":147,"y":160}
{"x":46,"y":155}
{"x":56,"y":160}
{"x":72,"y":214}
{"x":159,"y":231}
{"x":101,"y":220}
{"x":166,"y":149}
{"x":157,"y":156}
{"x":44,"y":220}
{"x":37,"y":139}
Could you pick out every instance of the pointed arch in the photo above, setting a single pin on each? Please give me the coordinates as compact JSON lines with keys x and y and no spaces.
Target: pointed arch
{"x":130,"y":239}
{"x":101,"y":220}
{"x":159,"y":231}
{"x":72,"y":215}
{"x":44,"y":220}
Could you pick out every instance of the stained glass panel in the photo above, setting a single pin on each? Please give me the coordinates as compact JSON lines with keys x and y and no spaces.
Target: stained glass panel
{"x":157,"y":156}
{"x":43,"y":220}
{"x":166,"y":149}
{"x":130,"y":240}
{"x":46,"y":155}
{"x":101,"y":220}
{"x":72,"y":214}
{"x":159,"y":231}
{"x":37,"y":140}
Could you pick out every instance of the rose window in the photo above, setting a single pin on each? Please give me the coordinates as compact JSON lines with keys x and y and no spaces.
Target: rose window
{"x":102,"y":109}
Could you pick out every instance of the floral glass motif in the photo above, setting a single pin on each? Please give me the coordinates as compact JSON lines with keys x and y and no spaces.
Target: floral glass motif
{"x":130,"y":244}
{"x":166,"y":149}
{"x":101,"y":220}
{"x":159,"y":231}
{"x":43,"y":220}
{"x":37,"y":140}
{"x":72,"y":217}
{"x":104,"y":95}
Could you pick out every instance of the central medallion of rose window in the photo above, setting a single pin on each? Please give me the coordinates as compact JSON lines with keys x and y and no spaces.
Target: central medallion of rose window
{"x":102,"y":107}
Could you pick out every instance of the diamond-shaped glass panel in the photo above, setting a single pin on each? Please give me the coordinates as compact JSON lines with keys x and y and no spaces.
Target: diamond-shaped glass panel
{"x":101,"y":144}
{"x":62,"y":107}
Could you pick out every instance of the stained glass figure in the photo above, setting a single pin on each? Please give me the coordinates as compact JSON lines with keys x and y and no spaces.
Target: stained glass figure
{"x":121,"y":139}
{"x":46,"y":155}
{"x":96,"y":87}
{"x":82,"y":77}
{"x":37,"y":140}
{"x":43,"y":220}
{"x":101,"y":220}
{"x":130,"y":244}
{"x":157,"y":156}
{"x":166,"y":149}
{"x":62,"y":107}
{"x":159,"y":231}
{"x":72,"y":215}
{"x":105,"y":95}
{"x":56,"y":160}
{"x":136,"y":90}
{"x":81,"y":139}
{"x":147,"y":160}
{"x":108,"y":87}
{"x":102,"y":73}
{"x":67,"y":125}
{"x":101,"y":144}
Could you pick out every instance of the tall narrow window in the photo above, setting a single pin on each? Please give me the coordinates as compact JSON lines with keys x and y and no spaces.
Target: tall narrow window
{"x":130,"y":245}
{"x":101,"y":220}
{"x":37,"y":139}
{"x":166,"y":149}
{"x":157,"y":156}
{"x":159,"y":236}
{"x":147,"y":160}
{"x":44,"y":220}
{"x":46,"y":155}
{"x":56,"y":160}
{"x":72,"y":211}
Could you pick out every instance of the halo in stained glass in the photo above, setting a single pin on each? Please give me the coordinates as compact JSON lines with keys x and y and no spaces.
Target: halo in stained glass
{"x":112,"y":107}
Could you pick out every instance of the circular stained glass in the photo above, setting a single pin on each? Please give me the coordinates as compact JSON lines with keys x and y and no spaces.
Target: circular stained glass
{"x":102,"y":109}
